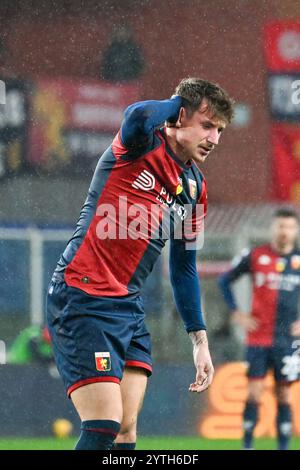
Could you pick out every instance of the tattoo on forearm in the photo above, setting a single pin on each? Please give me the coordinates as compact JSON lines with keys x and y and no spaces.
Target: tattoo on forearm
{"x":198,"y":337}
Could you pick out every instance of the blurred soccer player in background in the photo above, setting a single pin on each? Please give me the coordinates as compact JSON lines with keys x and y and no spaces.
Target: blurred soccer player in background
{"x":272,"y":326}
{"x":95,"y":313}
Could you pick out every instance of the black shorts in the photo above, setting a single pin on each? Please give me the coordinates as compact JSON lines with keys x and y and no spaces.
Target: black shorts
{"x":283,"y":360}
{"x":94,"y":338}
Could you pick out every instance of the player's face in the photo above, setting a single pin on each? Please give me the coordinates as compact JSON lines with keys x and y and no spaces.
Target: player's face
{"x":285,"y":231}
{"x":198,"y":133}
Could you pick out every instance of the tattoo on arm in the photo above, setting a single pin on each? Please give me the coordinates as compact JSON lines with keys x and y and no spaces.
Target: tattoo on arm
{"x":198,"y":337}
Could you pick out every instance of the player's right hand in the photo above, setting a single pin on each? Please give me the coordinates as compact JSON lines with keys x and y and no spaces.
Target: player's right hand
{"x":244,"y":320}
{"x":203,"y":363}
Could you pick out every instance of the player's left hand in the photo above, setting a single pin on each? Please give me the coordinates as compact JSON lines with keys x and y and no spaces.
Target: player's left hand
{"x":203,"y":364}
{"x":295,"y":328}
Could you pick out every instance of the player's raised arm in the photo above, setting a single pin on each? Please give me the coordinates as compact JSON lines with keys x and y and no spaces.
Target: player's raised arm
{"x":186,"y":288}
{"x":142,"y":118}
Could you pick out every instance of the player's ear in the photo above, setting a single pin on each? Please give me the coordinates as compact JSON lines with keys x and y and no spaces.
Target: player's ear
{"x":181,"y":117}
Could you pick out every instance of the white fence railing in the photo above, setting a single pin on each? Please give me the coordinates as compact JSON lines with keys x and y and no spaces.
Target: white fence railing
{"x":36,"y":238}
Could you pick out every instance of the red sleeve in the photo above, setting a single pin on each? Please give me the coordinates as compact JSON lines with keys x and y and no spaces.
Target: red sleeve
{"x":118,"y":147}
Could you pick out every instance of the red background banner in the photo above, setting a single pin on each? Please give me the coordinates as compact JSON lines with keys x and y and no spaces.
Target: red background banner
{"x":73,"y":121}
{"x":282,"y":46}
{"x":282,"y":50}
{"x":286,"y":162}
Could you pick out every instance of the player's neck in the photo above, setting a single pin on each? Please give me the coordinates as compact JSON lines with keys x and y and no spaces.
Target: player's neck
{"x":282,"y":249}
{"x":175,"y":147}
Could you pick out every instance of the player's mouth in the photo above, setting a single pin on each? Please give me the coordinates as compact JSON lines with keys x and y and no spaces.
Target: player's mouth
{"x":205,"y":150}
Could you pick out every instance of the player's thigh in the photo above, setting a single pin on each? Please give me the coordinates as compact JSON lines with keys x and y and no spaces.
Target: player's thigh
{"x":133,"y":388}
{"x":101,"y":400}
{"x":255,"y":389}
{"x":258,"y":364}
{"x":258,"y":360}
{"x":90,"y":337}
{"x":283,"y":392}
{"x":286,"y":371}
{"x":286,"y":365}
{"x":138,"y":367}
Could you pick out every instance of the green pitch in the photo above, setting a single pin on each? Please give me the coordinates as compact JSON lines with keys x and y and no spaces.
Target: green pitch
{"x":145,"y":443}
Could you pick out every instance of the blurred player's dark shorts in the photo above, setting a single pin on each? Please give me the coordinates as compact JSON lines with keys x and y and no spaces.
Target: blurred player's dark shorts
{"x":283,"y":360}
{"x":94,"y":338}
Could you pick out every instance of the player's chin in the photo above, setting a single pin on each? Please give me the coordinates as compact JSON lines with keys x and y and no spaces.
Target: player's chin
{"x":200,"y":158}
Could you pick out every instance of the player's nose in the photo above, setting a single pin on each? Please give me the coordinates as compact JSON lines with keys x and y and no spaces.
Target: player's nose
{"x":213,"y":137}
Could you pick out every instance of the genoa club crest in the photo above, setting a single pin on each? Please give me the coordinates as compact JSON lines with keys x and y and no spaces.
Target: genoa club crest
{"x":103,"y":362}
{"x":280,"y":265}
{"x":295,"y":262}
{"x":193,"y":188}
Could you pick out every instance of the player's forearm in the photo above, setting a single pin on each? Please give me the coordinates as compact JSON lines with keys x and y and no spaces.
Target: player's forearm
{"x":241,"y":267}
{"x":140,"y":119}
{"x":192,"y":318}
{"x":225,"y":287}
{"x":186,"y":287}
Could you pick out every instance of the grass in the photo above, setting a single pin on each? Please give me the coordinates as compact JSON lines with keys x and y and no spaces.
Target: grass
{"x":144,"y":443}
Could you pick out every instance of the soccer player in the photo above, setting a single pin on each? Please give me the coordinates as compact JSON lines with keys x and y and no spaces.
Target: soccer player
{"x":273,"y":325}
{"x":95,"y":313}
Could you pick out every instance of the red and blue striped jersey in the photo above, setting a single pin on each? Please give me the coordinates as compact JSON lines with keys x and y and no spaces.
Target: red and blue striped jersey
{"x":276,"y":289}
{"x":137,"y":175}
